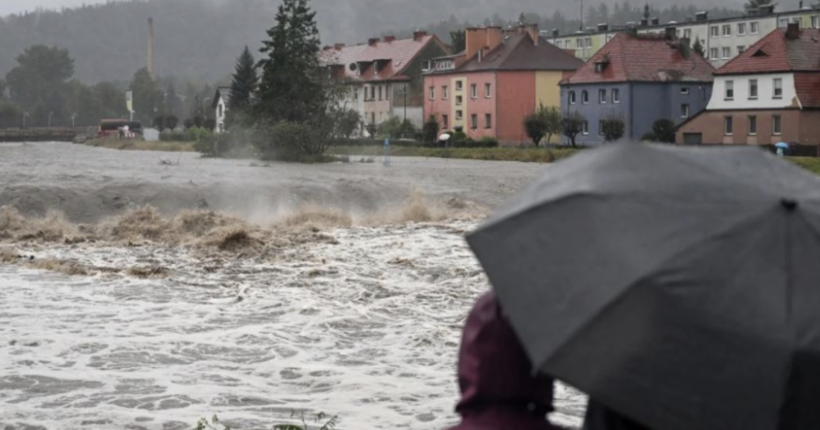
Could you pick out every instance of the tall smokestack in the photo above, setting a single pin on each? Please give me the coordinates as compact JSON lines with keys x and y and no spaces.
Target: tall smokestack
{"x":151,"y":46}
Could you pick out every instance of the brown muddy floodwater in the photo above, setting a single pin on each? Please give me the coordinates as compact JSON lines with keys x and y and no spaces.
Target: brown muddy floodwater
{"x":141,"y":295}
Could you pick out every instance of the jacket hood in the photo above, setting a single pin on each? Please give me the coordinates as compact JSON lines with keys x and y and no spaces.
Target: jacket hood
{"x":493,"y":369}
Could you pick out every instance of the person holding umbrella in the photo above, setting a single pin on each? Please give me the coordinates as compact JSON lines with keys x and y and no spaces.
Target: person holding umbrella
{"x":676,"y":286}
{"x":498,"y":389}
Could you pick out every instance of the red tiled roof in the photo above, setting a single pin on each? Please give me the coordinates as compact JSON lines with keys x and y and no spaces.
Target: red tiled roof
{"x":643,"y":58}
{"x":396,"y":56}
{"x":776,"y":53}
{"x":807,"y":86}
{"x":518,"y":52}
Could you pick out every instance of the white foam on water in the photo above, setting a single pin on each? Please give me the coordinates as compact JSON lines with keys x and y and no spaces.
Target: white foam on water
{"x":366,"y":329}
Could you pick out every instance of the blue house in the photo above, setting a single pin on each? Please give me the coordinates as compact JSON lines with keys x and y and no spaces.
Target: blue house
{"x":638,"y":79}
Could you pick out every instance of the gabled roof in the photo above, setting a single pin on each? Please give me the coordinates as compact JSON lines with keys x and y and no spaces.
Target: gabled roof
{"x":224,"y":93}
{"x":358,"y":61}
{"x":776,"y":53}
{"x":518,"y":51}
{"x":643,"y":58}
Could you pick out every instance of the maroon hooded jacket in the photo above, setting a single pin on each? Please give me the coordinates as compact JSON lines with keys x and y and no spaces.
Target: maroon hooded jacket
{"x":498,"y":391}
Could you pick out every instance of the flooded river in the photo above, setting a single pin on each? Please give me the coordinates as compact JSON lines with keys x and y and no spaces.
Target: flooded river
{"x":250,"y":292}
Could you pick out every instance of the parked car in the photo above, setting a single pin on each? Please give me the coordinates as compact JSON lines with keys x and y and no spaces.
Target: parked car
{"x":120,"y":127}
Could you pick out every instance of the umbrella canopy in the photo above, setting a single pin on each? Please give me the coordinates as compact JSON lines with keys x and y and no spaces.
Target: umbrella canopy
{"x":679,"y":286}
{"x":444,"y":136}
{"x":783,"y":145}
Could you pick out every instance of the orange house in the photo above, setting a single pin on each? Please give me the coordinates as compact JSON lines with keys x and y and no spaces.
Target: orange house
{"x":500,"y":78}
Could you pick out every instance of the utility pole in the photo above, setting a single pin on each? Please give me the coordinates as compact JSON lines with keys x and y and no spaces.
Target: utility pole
{"x":72,"y":120}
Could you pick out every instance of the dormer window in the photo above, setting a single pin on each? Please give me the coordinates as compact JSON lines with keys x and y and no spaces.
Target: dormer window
{"x":760,"y":53}
{"x":600,"y":66}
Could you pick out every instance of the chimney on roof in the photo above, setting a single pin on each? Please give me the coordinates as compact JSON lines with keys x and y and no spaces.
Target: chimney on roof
{"x":656,"y":21}
{"x":390,"y":38}
{"x":702,"y":16}
{"x":475,"y":39}
{"x":793,"y":31}
{"x":419,"y":34}
{"x":800,"y":5}
{"x":555,"y":32}
{"x":644,"y":22}
{"x":603,"y":27}
{"x":532,"y":30}
{"x":373,"y":41}
{"x":495,"y":35}
{"x":671,"y":33}
{"x":338,"y":46}
{"x":766,"y":10}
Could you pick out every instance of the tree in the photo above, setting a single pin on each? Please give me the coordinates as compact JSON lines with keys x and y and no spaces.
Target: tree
{"x":2,"y":89}
{"x":171,"y":122}
{"x":613,"y":129}
{"x":159,"y":123}
{"x":698,"y":47}
{"x":572,"y":125}
{"x":664,"y":130}
{"x":10,"y":115}
{"x":754,"y":4}
{"x":349,"y":122}
{"x":536,"y":127}
{"x":147,"y":97}
{"x":38,"y":83}
{"x":430,"y":130}
{"x":291,"y":87}
{"x":553,"y":120}
{"x":173,"y":104}
{"x":111,"y":99}
{"x":458,"y":41}
{"x":244,"y":82}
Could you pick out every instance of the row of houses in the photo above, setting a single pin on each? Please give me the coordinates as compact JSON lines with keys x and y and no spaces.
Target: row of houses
{"x":722,"y":39}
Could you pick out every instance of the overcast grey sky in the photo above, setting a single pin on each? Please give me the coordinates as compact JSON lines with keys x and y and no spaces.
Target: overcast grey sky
{"x":14,"y":6}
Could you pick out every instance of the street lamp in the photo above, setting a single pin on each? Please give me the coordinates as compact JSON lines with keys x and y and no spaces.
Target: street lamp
{"x":72,"y":120}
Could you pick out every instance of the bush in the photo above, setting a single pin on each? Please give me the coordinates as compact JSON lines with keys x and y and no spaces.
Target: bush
{"x":664,"y":130}
{"x":289,"y":141}
{"x":488,"y":142}
{"x":430,"y":131}
{"x":613,"y":129}
{"x":364,"y":141}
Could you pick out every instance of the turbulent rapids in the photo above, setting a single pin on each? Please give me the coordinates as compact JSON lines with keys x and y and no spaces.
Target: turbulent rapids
{"x":136,"y":295}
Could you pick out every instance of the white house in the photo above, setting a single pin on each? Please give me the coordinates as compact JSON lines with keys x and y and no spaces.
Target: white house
{"x":220,"y":106}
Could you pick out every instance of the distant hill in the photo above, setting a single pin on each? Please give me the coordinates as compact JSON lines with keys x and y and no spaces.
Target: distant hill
{"x":200,"y":39}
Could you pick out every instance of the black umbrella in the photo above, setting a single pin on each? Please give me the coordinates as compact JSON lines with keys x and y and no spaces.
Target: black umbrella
{"x":679,"y":286}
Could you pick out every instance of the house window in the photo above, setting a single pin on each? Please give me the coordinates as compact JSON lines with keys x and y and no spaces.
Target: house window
{"x":714,"y":54}
{"x":727,"y":30}
{"x":219,"y":114}
{"x":459,"y":100}
{"x":355,"y":94}
{"x":752,"y":89}
{"x":432,"y":93}
{"x":741,"y":28}
{"x":815,"y":22}
{"x":584,"y":97}
{"x":778,"y":88}
{"x":684,"y":90}
{"x":684,"y":110}
{"x":445,"y":92}
{"x":601,"y":127}
{"x":586,"y":127}
{"x":474,"y":91}
{"x":459,"y":115}
{"x":753,"y":27}
{"x":687,"y":33}
{"x":616,"y":95}
{"x":728,"y":125}
{"x":796,"y":21}
{"x":783,"y":23}
{"x":473,"y":121}
{"x":372,"y":93}
{"x":459,"y":85}
{"x":752,"y":125}
{"x":602,"y":96}
{"x":488,"y":120}
{"x":572,"y":97}
{"x":714,"y":31}
{"x":776,"y":122}
{"x":380,"y":92}
{"x":445,"y":121}
{"x":730,"y":90}
{"x":727,"y":53}
{"x":740,"y":49}
{"x":387,"y":92}
{"x":488,"y":90}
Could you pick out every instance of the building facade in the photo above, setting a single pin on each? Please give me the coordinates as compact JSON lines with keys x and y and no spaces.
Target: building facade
{"x":769,"y":94}
{"x":638,"y":79}
{"x":722,"y":39}
{"x":384,"y":76}
{"x":502,"y":76}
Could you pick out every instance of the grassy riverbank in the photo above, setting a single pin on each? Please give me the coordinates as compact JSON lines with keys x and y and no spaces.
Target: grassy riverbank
{"x":531,"y":155}
{"x":141,"y":145}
